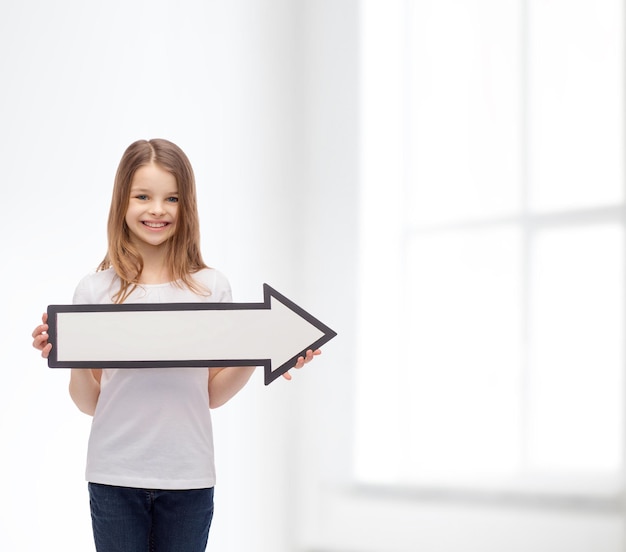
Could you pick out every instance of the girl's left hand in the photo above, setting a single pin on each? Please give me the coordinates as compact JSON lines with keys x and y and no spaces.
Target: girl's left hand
{"x":303,"y":360}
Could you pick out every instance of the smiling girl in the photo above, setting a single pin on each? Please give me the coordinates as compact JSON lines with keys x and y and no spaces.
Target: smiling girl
{"x":150,"y":463}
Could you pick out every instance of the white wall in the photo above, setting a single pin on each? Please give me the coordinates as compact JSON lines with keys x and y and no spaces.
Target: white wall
{"x":263,"y":95}
{"x":81,"y":81}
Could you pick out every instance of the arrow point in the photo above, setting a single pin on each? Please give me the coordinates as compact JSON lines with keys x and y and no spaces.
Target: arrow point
{"x":298,"y":331}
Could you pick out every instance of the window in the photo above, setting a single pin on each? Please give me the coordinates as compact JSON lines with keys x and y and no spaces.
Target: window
{"x":492,"y":258}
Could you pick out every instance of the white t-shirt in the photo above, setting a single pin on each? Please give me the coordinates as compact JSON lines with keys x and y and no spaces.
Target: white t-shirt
{"x":152,"y":426}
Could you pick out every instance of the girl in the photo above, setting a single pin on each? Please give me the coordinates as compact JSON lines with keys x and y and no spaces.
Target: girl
{"x":150,"y":467}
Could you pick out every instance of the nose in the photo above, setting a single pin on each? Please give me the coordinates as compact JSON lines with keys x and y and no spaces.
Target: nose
{"x":157,"y":208}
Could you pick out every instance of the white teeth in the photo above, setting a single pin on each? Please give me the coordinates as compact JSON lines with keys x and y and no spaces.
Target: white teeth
{"x":155,"y":224}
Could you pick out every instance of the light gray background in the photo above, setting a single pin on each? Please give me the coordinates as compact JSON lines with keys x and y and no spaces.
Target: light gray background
{"x":261,"y":95}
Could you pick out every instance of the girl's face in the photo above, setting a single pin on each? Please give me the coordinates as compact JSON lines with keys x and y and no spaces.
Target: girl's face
{"x":153,"y":206}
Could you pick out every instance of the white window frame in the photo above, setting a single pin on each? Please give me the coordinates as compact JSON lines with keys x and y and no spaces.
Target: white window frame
{"x":384,"y":160}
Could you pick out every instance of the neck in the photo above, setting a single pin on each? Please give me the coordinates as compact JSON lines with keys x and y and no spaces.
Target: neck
{"x":155,"y":269}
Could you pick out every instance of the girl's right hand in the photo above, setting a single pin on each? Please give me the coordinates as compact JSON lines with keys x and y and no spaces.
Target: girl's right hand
{"x":40,"y":337}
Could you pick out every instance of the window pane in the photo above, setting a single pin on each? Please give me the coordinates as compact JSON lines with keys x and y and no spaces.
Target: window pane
{"x":501,"y":344}
{"x":575,"y":105}
{"x":465,"y":140}
{"x":577,"y":331}
{"x":464,"y":353}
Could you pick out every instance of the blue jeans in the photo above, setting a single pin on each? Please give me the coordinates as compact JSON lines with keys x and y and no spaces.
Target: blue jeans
{"x":125,"y":519}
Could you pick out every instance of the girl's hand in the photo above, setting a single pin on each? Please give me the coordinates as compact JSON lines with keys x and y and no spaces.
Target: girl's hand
{"x":303,"y":360}
{"x":40,"y":337}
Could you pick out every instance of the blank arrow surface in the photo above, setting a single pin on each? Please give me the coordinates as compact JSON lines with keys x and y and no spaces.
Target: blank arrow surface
{"x":272,"y":334}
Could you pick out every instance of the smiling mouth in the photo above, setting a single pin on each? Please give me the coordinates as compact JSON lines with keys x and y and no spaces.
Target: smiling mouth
{"x":155,"y":224}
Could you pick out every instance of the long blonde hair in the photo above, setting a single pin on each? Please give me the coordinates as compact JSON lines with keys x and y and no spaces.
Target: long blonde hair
{"x":183,"y":254}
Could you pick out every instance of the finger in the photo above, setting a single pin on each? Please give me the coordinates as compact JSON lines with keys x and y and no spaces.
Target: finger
{"x":44,"y":317}
{"x":287,"y":376}
{"x":40,"y":330}
{"x":45,"y":352}
{"x":40,"y":340}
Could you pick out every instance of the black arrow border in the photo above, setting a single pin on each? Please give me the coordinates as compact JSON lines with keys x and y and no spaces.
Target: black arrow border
{"x":268,"y":292}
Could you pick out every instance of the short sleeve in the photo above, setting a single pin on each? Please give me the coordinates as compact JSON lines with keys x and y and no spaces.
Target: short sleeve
{"x":82,"y":293}
{"x":221,"y":289}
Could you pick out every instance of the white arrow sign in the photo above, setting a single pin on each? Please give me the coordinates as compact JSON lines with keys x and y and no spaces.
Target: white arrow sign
{"x":272,"y":334}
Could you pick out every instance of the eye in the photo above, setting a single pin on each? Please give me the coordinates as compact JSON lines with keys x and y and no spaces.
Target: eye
{"x":172,"y":199}
{"x":142,"y":197}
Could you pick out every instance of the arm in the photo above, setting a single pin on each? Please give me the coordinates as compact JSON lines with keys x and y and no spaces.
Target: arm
{"x":85,"y":388}
{"x":84,"y":382}
{"x":225,"y":383}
